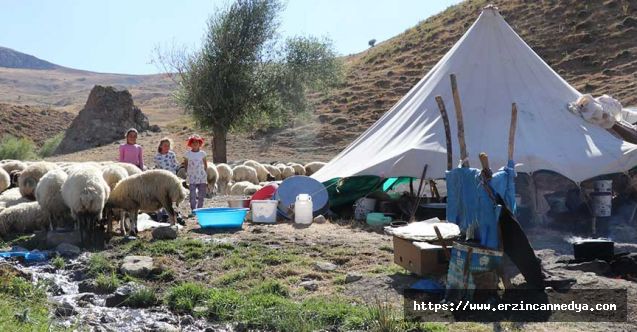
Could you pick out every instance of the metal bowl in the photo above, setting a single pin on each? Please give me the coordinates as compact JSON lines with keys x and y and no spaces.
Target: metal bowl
{"x":239,"y":203}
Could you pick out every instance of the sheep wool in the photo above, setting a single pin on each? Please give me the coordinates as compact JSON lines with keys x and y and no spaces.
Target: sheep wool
{"x":244,"y":188}
{"x":85,"y":193}
{"x":130,"y":168}
{"x":5,"y":180}
{"x":262,"y":172}
{"x":211,"y":177}
{"x":13,"y":165}
{"x":48,"y":193}
{"x":298,"y":168}
{"x":287,"y":171}
{"x":29,"y":177}
{"x":22,"y":218}
{"x":245,"y":173}
{"x":225,"y":177}
{"x":11,"y":197}
{"x":113,"y":174}
{"x":313,"y":167}
{"x":274,"y":171}
{"x":147,"y":192}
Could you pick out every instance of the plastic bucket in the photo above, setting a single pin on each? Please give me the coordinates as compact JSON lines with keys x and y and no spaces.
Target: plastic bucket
{"x":363,"y":206}
{"x":603,"y":186}
{"x":264,"y":211}
{"x":602,"y":204}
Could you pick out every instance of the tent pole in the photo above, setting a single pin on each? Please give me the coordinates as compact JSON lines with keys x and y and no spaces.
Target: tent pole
{"x":534,"y":193}
{"x":514,"y":121}
{"x":445,"y":122}
{"x":458,"y":106}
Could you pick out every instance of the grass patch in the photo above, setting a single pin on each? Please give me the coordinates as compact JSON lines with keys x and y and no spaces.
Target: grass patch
{"x":58,"y":262}
{"x":142,"y":298}
{"x":50,"y":145}
{"x":107,"y":283}
{"x":99,"y":264}
{"x":187,"y":296}
{"x":17,"y":148}
{"x":23,"y":306}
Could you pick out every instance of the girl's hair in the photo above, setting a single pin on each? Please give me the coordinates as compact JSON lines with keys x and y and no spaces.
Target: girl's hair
{"x":165,"y":139}
{"x":194,"y":138}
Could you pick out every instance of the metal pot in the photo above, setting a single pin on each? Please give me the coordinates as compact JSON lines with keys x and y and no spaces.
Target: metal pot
{"x":239,"y":203}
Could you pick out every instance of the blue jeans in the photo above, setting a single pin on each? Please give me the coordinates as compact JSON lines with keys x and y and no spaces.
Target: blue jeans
{"x":197,"y":194}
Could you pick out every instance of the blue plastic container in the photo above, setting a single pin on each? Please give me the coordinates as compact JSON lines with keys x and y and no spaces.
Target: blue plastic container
{"x":221,"y":217}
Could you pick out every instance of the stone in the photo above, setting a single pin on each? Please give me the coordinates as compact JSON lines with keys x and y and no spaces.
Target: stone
{"x":85,"y":299}
{"x":67,"y":250}
{"x":58,"y":237}
{"x":165,"y":233}
{"x":161,"y":327}
{"x":200,"y":310}
{"x":352,"y":277}
{"x":186,"y":320}
{"x":155,"y":128}
{"x":137,"y":266}
{"x":320,"y":219}
{"x":325,"y":266}
{"x":107,"y":114}
{"x":64,"y":309}
{"x":121,"y":294}
{"x":310,"y":285}
{"x":596,"y":266}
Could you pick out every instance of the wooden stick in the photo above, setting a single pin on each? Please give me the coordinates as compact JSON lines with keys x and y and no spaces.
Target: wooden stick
{"x":422,"y":179}
{"x":445,"y":122}
{"x":442,"y":242}
{"x":458,"y":106}
{"x":514,"y":121}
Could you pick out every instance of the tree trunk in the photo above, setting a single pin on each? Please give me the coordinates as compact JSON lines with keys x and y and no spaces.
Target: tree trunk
{"x":219,"y":147}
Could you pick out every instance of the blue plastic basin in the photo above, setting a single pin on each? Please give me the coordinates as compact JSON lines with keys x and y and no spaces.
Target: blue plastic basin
{"x":221,"y":217}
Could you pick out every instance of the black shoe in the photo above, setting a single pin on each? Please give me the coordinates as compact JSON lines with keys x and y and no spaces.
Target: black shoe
{"x":181,"y":221}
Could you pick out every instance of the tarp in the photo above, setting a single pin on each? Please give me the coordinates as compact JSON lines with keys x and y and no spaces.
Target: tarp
{"x":494,"y":68}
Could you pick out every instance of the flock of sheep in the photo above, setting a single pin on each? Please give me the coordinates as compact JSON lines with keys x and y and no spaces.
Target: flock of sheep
{"x":48,"y":195}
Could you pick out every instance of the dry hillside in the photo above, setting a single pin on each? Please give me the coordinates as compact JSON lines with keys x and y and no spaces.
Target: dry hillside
{"x":35,"y":123}
{"x":591,"y":44}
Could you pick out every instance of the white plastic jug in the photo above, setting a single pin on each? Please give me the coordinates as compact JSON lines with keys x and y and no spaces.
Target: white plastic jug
{"x":303,"y":209}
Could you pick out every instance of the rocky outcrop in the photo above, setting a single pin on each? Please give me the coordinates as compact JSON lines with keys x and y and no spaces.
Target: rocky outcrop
{"x":107,"y":115}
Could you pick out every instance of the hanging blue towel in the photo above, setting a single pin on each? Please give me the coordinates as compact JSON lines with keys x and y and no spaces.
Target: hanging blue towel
{"x":468,"y":202}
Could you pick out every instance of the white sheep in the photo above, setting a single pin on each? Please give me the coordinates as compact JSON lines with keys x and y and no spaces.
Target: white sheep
{"x":262,"y":171}
{"x":85,"y":193}
{"x":245,"y":173}
{"x":48,"y":193}
{"x":225,"y":177}
{"x":287,"y":171}
{"x":112,"y":174}
{"x":298,"y":168}
{"x":5,"y":180}
{"x":313,"y":167}
{"x":11,"y":197}
{"x":29,"y":177}
{"x":244,"y":188}
{"x":130,"y":168}
{"x":22,"y":218}
{"x":147,"y":192}
{"x":11,"y":166}
{"x":212,"y":175}
{"x":274,"y":171}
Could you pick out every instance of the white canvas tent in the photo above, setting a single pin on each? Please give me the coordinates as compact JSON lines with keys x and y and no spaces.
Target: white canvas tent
{"x":494,"y":68}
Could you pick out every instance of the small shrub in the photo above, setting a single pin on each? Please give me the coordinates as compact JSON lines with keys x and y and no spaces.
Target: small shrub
{"x":50,"y":145}
{"x":58,"y":262}
{"x":16,"y":148}
{"x":99,"y":264}
{"x":273,"y":287}
{"x":185,"y":297}
{"x":165,"y":275}
{"x":142,"y":298}
{"x":107,"y":283}
{"x":223,"y":304}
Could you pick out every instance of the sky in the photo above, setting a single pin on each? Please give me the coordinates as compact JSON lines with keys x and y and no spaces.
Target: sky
{"x":119,"y":36}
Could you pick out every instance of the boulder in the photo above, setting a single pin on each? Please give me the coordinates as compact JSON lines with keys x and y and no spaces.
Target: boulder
{"x":122,"y":294}
{"x":67,"y":250}
{"x":325,"y":266}
{"x":352,"y":277}
{"x":165,"y":233}
{"x":107,"y":114}
{"x":64,"y":309}
{"x":137,"y":266}
{"x":310,"y":285}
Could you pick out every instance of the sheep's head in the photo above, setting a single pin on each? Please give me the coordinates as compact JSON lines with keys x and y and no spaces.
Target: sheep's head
{"x":15,"y":175}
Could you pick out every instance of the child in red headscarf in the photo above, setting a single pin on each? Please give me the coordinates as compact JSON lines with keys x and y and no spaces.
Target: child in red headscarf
{"x":196,"y":165}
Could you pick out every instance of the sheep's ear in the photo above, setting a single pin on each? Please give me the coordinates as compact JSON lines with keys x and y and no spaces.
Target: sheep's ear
{"x":184,"y":184}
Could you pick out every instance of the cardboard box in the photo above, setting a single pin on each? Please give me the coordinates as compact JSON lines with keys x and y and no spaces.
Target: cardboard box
{"x":421,"y":258}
